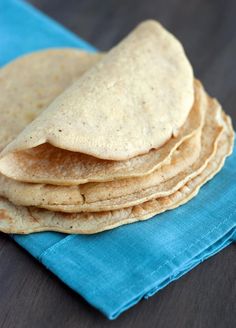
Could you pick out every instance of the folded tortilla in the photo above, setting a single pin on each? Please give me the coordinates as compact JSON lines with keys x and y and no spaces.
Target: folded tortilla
{"x":133,"y":100}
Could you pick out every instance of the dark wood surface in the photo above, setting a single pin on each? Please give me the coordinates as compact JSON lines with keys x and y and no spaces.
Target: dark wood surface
{"x":30,"y":296}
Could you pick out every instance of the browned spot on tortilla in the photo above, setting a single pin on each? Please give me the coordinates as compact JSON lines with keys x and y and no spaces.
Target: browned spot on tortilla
{"x":4,"y":215}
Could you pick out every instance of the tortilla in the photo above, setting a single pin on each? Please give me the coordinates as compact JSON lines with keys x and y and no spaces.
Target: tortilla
{"x":133,"y":100}
{"x":51,"y":165}
{"x":19,"y":219}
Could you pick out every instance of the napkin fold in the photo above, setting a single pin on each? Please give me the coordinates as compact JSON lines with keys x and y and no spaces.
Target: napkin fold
{"x":113,"y":270}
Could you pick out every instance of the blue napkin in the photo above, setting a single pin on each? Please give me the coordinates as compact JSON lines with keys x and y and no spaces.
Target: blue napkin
{"x":114,"y":270}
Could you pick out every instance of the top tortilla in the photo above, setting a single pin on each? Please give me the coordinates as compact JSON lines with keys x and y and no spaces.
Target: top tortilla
{"x":130,"y":102}
{"x":31,"y":90}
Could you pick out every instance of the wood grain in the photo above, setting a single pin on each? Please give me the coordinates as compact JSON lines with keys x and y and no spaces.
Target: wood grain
{"x":30,"y":296}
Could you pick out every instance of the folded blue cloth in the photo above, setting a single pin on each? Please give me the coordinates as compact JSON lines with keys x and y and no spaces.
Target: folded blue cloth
{"x":113,"y":270}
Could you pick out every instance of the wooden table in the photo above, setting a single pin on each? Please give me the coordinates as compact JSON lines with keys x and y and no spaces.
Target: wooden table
{"x":30,"y":296}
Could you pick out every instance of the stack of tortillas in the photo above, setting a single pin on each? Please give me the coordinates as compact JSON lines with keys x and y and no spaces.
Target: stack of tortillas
{"x":90,"y":142}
